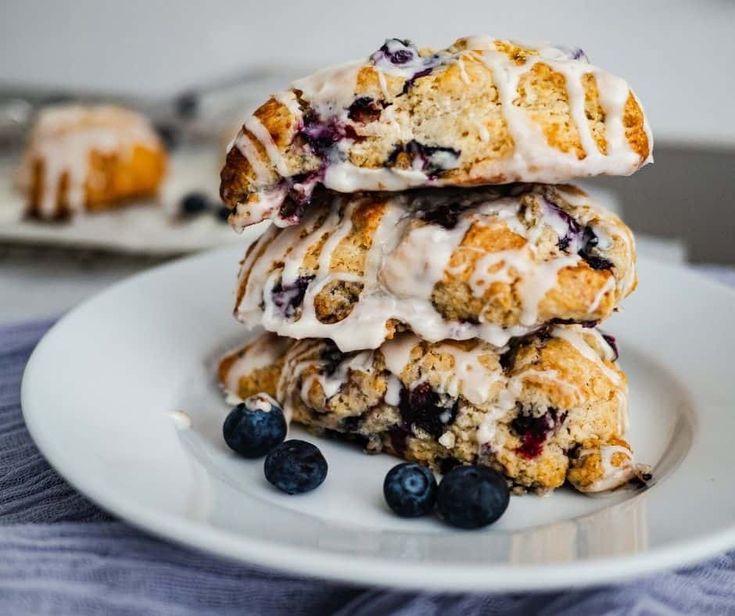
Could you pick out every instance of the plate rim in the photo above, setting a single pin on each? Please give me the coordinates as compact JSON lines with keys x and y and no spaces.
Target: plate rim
{"x":359,"y":569}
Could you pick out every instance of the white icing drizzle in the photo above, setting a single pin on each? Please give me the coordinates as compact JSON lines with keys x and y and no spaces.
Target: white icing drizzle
{"x":505,"y":402}
{"x":469,"y":376}
{"x":406,"y":260}
{"x":462,"y":70}
{"x":264,"y":351}
{"x":397,"y":352}
{"x":63,"y":140}
{"x":577,"y":336}
{"x":547,"y":375}
{"x":260,"y":132}
{"x":613,"y":476}
{"x":260,"y":402}
{"x":332,"y":383}
{"x":248,"y":150}
{"x":331,"y":91}
{"x":608,"y":287}
{"x":288,"y":99}
{"x":393,"y":391}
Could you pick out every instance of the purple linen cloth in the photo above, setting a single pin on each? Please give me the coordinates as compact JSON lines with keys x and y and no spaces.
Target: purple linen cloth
{"x":60,"y":554}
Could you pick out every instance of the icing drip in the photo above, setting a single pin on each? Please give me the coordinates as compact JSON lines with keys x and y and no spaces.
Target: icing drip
{"x":397,"y":352}
{"x":263,"y":352}
{"x":613,"y":476}
{"x":579,"y":337}
{"x":469,"y":376}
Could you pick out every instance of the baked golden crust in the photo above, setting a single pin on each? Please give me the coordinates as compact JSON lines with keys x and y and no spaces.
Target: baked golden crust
{"x":89,"y":158}
{"x":486,"y":262}
{"x":483,"y":111}
{"x":550,"y":408}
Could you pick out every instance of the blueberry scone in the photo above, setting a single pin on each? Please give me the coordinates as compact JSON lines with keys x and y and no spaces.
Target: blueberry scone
{"x":550,"y":408}
{"x":89,"y":158}
{"x":486,"y":262}
{"x":483,"y":111}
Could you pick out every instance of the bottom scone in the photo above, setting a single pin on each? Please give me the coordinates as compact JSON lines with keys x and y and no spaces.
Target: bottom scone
{"x":550,"y":407}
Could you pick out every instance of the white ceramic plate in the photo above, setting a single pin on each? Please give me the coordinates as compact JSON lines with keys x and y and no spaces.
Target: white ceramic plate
{"x":103,"y":391}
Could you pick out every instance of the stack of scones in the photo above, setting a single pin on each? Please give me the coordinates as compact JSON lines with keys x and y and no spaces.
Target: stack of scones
{"x":431,"y":286}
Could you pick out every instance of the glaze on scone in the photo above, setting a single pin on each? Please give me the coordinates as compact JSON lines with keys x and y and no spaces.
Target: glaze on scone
{"x":89,"y":158}
{"x":482,"y":111}
{"x":551,"y":407}
{"x":492,"y":263}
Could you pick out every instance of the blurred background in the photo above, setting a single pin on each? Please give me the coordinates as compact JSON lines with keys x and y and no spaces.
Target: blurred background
{"x":194,"y":69}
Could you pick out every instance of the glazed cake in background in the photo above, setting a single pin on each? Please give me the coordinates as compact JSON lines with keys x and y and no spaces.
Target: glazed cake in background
{"x":89,"y":158}
{"x":430,"y":287}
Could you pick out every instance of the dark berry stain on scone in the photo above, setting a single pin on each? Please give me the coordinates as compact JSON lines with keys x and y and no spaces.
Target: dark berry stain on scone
{"x":288,"y":298}
{"x":321,"y":134}
{"x":534,"y":430}
{"x":613,"y":345}
{"x":364,"y":110}
{"x":574,"y":230}
{"x":589,"y":243}
{"x":432,"y":159}
{"x":424,"y":408}
{"x":445,"y":216}
{"x":396,"y":51}
{"x":403,"y":54}
{"x":331,"y":357}
{"x":408,"y":84}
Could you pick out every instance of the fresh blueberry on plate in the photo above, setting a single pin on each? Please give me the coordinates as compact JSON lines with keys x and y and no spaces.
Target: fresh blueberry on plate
{"x":193,"y":203}
{"x":255,"y":427}
{"x":410,"y":490}
{"x":295,"y":467}
{"x":472,"y":497}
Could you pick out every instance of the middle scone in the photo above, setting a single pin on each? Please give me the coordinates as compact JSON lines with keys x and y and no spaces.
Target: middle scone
{"x":490,"y":263}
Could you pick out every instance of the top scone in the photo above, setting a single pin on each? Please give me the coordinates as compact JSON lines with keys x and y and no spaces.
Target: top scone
{"x":482,"y":111}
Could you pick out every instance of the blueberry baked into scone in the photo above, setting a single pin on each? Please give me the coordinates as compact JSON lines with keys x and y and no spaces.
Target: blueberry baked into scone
{"x":483,"y":111}
{"x":432,"y":284}
{"x":89,"y":158}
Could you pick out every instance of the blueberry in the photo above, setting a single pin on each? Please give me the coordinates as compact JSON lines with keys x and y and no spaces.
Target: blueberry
{"x":289,"y":297}
{"x":364,"y":109}
{"x":410,"y":490}
{"x":589,"y":243}
{"x":446,"y":216}
{"x":396,"y":51}
{"x":194,"y":203}
{"x":533,"y":431}
{"x":295,"y":467}
{"x":169,"y":134}
{"x":432,"y":158}
{"x":223,"y":213}
{"x":613,"y":345}
{"x":472,"y":497}
{"x":187,"y":105}
{"x":424,"y":408}
{"x":255,"y":427}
